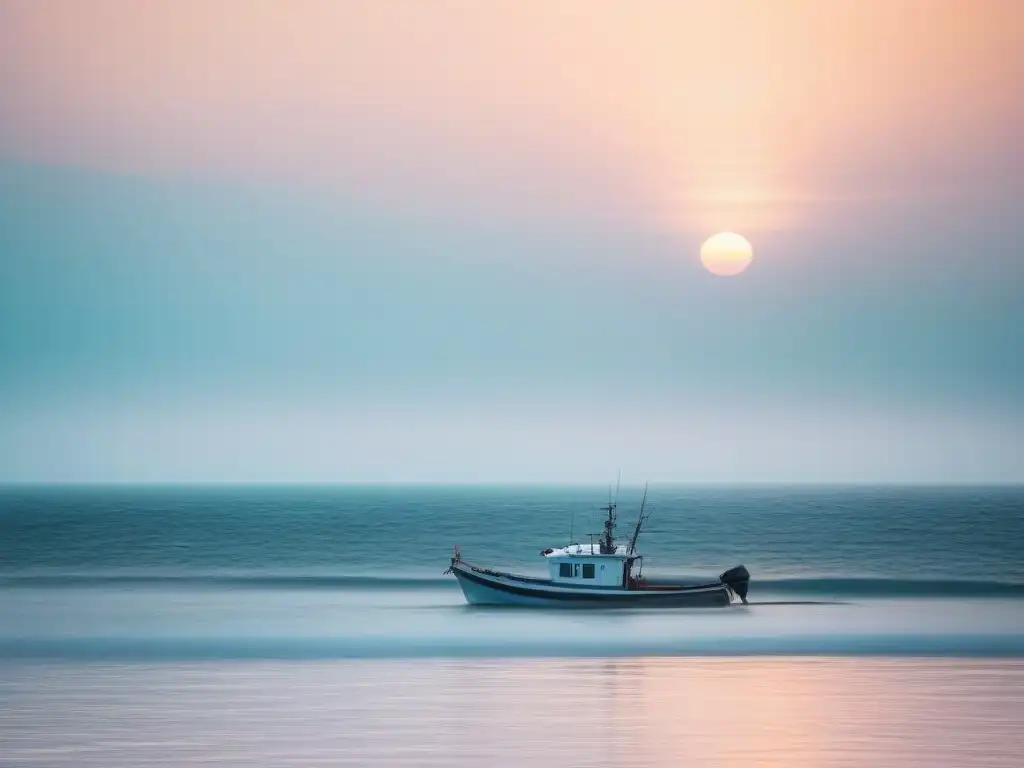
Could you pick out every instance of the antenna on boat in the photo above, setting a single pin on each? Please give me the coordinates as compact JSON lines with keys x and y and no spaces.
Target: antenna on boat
{"x":639,"y":522}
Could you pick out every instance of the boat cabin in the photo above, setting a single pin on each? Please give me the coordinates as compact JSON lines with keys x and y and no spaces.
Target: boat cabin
{"x":584,"y":565}
{"x":600,"y":563}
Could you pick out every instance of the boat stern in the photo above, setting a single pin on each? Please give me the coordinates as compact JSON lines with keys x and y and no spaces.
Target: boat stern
{"x":737,"y":579}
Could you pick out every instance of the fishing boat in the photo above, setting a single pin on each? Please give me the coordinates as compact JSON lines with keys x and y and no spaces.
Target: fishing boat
{"x":595,"y":574}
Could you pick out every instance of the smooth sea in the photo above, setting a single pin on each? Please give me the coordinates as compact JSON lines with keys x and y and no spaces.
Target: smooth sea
{"x":312,"y":626}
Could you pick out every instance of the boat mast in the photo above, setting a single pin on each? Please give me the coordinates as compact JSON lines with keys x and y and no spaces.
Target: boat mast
{"x":608,"y":538}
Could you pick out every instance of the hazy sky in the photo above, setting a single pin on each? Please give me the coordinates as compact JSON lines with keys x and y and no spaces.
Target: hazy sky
{"x":438,"y":240}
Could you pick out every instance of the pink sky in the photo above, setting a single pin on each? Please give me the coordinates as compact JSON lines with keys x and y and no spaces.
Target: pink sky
{"x":765,"y":114}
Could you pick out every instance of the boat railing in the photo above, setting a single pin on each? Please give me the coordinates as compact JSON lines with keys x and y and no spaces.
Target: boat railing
{"x":457,"y":560}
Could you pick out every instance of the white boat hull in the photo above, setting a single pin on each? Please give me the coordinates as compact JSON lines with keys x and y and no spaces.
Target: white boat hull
{"x":484,"y":587}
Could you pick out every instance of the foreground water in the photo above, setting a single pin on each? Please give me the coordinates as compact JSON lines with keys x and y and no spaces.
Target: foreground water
{"x":662,"y":713}
{"x":277,"y":626}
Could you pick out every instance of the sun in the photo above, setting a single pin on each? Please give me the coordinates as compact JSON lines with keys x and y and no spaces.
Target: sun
{"x":726,"y":254}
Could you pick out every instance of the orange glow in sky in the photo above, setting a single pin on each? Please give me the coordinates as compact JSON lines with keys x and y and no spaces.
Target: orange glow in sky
{"x":740,"y":114}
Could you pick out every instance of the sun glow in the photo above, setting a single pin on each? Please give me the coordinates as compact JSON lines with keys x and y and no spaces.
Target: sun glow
{"x":726,"y":254}
{"x":627,"y":111}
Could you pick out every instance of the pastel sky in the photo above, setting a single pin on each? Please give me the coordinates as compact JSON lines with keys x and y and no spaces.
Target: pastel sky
{"x":311,"y":240}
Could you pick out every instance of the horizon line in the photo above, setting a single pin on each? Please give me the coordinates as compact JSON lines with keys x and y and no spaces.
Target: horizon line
{"x":508,"y":483}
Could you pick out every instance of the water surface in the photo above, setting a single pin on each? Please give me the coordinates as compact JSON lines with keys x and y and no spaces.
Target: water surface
{"x":312,"y":626}
{"x":634,"y":713}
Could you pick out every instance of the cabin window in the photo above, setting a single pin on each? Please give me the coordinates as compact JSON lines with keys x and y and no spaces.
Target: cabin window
{"x":576,"y":568}
{"x":588,"y":570}
{"x":565,"y":570}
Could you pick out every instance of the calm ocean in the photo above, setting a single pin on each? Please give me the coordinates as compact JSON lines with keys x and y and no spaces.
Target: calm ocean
{"x":312,"y":626}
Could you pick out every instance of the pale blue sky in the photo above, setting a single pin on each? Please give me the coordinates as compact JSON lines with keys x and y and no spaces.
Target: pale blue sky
{"x":158,"y":330}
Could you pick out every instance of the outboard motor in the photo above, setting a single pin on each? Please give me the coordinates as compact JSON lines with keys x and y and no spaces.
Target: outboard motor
{"x":737,"y":579}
